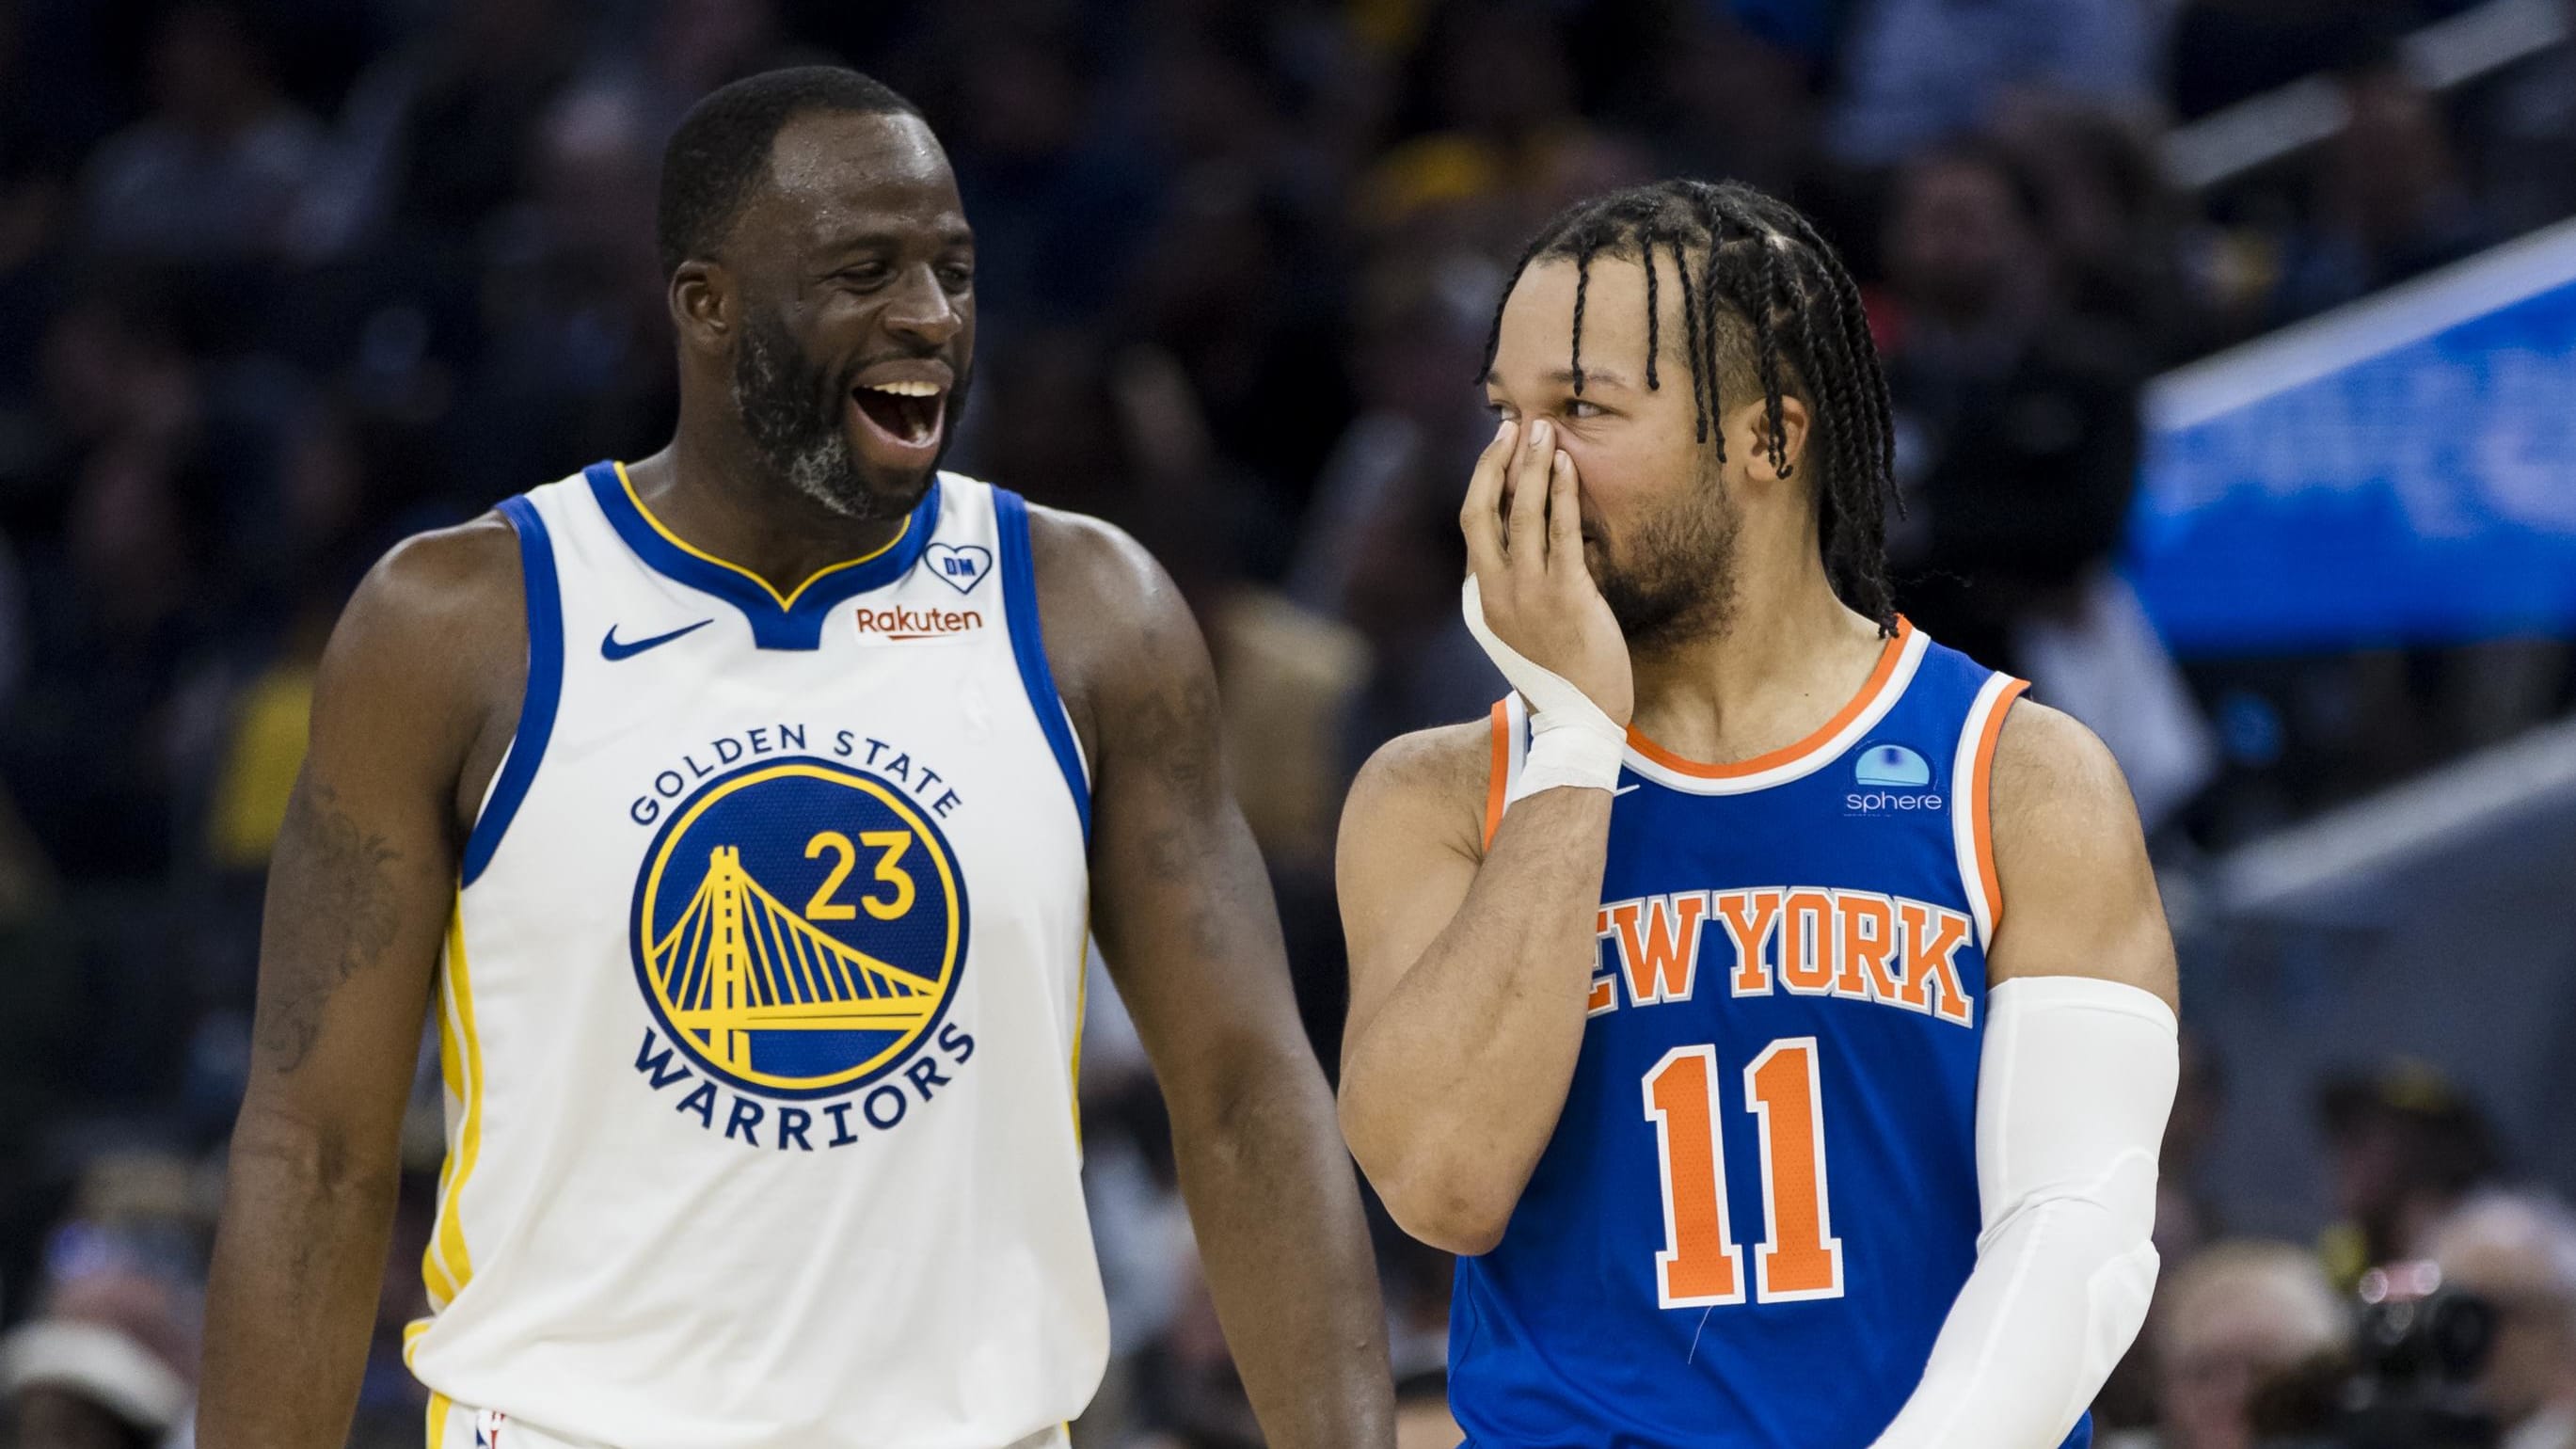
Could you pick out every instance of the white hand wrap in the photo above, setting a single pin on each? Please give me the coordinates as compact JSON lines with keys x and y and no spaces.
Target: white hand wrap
{"x":2074,"y":1083}
{"x":1572,"y":741}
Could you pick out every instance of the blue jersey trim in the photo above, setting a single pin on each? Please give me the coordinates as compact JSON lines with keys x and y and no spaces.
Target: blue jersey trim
{"x":791,"y":621}
{"x":1028,"y":644}
{"x":544,"y":691}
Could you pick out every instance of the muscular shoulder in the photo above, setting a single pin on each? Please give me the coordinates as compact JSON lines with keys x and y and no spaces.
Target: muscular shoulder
{"x":1088,"y":558}
{"x":2078,"y":896}
{"x":430,"y":656}
{"x":2055,"y":784}
{"x":1428,"y":787}
{"x":444,"y":578}
{"x":1120,"y":640}
{"x":439,"y":605}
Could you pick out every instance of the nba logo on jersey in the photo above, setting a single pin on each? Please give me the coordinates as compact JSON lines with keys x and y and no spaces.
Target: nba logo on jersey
{"x":487,"y":1428}
{"x":799,"y":928}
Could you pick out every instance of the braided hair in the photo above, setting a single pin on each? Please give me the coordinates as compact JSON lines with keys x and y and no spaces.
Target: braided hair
{"x":1765,"y":303}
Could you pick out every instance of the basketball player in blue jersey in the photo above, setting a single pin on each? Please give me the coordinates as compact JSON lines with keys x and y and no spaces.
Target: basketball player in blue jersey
{"x":738,"y":817}
{"x":1775,"y":1016}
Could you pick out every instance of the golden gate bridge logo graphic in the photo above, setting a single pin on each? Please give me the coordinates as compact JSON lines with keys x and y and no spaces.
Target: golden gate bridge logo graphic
{"x":769,"y":995}
{"x":739,"y":961}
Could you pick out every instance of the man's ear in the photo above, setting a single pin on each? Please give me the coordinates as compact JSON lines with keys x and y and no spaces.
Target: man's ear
{"x":703,"y":303}
{"x":1749,"y":431}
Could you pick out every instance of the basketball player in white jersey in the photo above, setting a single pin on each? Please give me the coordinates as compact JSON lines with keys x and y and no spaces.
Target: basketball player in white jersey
{"x":738,"y":816}
{"x":1775,"y":1016}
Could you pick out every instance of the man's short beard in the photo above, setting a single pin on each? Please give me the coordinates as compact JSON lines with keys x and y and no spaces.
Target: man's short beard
{"x":1674,"y":577}
{"x":795,"y":425}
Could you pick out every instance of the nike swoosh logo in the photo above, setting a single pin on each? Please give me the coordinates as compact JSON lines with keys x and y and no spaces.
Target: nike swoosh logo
{"x":609,"y":648}
{"x":1624,"y":789}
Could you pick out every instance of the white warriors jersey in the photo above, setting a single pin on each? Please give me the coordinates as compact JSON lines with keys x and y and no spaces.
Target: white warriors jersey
{"x":760,"y":1008}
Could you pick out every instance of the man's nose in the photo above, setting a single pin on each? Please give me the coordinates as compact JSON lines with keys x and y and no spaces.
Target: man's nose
{"x":921,"y":309}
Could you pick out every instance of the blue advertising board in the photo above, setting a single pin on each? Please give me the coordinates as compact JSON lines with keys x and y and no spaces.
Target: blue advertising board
{"x":2399,"y":471}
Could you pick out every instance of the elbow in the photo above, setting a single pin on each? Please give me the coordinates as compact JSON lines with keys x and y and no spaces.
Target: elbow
{"x":1465,"y":1229}
{"x":311,"y":1157}
{"x":1436,"y":1196}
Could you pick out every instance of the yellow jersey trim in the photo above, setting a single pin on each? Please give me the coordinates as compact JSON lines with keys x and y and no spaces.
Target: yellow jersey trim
{"x":786,"y":600}
{"x":1081,"y":1003}
{"x":446,"y":1265}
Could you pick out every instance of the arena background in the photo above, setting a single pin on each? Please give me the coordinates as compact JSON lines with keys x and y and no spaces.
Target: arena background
{"x":2234,"y":346}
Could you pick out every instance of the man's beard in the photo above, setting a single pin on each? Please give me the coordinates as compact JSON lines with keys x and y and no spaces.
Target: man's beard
{"x":1673,"y":577}
{"x":795,"y":424}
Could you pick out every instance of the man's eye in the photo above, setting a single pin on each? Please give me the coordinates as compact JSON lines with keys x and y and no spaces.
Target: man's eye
{"x":1581,"y":408}
{"x":957,"y":279}
{"x":866,"y":276}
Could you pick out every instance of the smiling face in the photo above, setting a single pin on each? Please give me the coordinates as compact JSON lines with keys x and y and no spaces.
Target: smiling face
{"x":853,"y":271}
{"x":1662,"y":515}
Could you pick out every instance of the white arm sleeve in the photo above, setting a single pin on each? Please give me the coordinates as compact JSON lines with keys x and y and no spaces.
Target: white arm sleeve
{"x":2074,"y":1084}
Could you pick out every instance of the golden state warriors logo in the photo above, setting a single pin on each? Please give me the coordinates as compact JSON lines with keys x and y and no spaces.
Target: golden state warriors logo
{"x":799,"y":928}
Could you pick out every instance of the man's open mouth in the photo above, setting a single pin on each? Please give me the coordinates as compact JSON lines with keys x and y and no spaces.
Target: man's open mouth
{"x":909,"y":413}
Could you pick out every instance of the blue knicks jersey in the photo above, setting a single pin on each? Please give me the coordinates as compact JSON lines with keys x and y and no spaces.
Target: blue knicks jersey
{"x":1761,"y":1197}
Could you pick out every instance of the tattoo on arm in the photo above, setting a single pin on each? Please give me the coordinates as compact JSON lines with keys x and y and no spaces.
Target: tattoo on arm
{"x":1175,"y":731}
{"x":341,"y":920}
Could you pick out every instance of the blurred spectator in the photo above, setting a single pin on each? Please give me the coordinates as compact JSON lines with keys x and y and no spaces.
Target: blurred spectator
{"x":2388,"y":203}
{"x":2107,"y":216}
{"x":110,"y":1356}
{"x":71,"y":1384}
{"x":1381,"y":549}
{"x":1920,"y":72}
{"x":1740,"y":105}
{"x":2405,"y":1147}
{"x":2017,"y":441}
{"x":215,"y":172}
{"x":2517,"y":1251}
{"x":2017,"y":428}
{"x":2523,"y":136}
{"x":1059,"y":209}
{"x":692,"y":47}
{"x":2230,"y":1323}
{"x":1491,"y":141}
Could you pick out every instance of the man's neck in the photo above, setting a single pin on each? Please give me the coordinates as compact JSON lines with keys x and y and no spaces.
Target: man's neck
{"x":1788,"y":659}
{"x":721,"y":502}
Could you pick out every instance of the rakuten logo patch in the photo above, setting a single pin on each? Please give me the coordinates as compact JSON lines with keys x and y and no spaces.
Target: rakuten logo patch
{"x":901,"y":625}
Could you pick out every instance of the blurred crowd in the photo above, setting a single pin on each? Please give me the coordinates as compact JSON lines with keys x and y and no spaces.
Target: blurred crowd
{"x":283,"y":280}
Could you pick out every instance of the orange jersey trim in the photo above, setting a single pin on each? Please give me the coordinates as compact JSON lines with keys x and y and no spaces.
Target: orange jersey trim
{"x":1501,"y":769}
{"x":1870,"y":689}
{"x":1980,"y":803}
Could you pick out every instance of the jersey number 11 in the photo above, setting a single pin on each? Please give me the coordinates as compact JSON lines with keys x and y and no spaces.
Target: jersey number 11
{"x":1799,"y":1256}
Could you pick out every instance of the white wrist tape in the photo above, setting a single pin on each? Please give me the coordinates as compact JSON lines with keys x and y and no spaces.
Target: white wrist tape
{"x":2074,"y":1083}
{"x":1572,"y":741}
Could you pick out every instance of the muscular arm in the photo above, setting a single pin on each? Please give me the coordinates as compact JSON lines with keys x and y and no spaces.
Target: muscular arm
{"x":2076,"y":1078}
{"x":1469,"y":968}
{"x":359,"y":893}
{"x":1185,"y":917}
{"x":1468,"y":979}
{"x":2079,"y":896}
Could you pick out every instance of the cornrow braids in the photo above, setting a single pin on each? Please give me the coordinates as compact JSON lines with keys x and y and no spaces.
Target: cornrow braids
{"x":1766,"y":304}
{"x":1582,"y":284}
